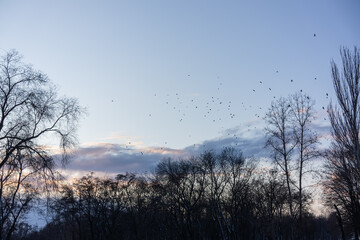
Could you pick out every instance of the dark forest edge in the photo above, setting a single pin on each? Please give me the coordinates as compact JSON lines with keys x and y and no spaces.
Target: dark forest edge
{"x":216,"y":195}
{"x":212,"y":196}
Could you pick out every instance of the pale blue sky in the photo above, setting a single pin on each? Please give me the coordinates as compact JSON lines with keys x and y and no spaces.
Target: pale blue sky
{"x":126,"y":61}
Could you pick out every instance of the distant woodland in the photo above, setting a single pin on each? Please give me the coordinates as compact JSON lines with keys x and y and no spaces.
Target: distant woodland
{"x":215,"y":195}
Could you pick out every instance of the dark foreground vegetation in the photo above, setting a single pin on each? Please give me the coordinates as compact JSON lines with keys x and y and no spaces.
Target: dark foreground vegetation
{"x":216,"y":195}
{"x":213,"y":196}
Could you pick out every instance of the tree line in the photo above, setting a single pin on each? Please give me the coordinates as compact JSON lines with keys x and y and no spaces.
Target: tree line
{"x":212,"y":196}
{"x":216,"y":195}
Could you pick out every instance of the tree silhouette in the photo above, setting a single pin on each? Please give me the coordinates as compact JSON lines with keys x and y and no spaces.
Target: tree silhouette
{"x":281,"y":141}
{"x":30,"y":112}
{"x":343,"y":165}
{"x":302,"y":113}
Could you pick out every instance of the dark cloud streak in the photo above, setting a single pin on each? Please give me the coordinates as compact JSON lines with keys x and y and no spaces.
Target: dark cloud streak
{"x":117,"y":158}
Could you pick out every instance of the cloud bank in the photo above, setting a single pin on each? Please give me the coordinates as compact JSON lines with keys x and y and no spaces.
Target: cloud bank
{"x":108,"y":158}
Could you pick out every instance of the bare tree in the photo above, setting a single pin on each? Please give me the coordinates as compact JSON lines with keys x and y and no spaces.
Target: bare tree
{"x":343,"y":185}
{"x":183,"y":185}
{"x":237,"y":172}
{"x":281,"y":141}
{"x":271,"y":200}
{"x":293,"y":145}
{"x":212,"y":196}
{"x":30,"y":113}
{"x":302,"y":111}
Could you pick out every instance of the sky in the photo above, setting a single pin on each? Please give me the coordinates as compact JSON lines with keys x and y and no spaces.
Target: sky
{"x":174,"y":78}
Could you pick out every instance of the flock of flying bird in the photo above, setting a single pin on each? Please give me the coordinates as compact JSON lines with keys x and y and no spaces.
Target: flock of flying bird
{"x":216,"y":108}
